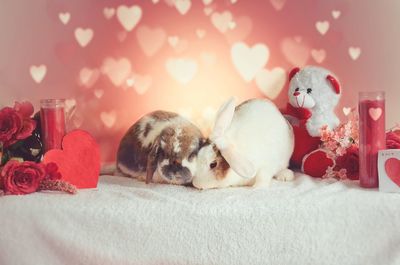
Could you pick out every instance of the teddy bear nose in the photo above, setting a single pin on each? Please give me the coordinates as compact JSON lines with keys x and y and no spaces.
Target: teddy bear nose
{"x":296,"y":93}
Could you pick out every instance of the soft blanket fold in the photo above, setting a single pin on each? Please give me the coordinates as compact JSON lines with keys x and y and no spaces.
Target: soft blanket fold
{"x":128,"y":222}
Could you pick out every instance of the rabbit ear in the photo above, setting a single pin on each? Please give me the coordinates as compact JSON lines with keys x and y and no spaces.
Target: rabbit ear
{"x":238,"y":163}
{"x":224,"y":118}
{"x":241,"y":165}
{"x":152,"y":161}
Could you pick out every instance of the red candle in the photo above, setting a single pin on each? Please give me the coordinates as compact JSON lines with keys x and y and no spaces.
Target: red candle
{"x":372,"y":136}
{"x":52,"y":116}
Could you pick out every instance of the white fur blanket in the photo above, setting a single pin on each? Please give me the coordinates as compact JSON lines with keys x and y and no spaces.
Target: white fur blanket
{"x":127,"y":222}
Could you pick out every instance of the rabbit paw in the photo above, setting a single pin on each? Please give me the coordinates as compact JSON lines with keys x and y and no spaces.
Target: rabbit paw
{"x":285,"y":175}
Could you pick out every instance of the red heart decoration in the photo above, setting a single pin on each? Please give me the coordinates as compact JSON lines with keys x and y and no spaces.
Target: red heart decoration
{"x":79,"y":160}
{"x":392,"y":168}
{"x":317,"y":163}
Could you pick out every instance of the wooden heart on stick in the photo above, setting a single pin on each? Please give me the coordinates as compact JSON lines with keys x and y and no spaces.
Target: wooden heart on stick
{"x":79,"y":160}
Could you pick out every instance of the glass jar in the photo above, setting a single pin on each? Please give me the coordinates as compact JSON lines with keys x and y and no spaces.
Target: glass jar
{"x":372,"y":136}
{"x":52,"y":117}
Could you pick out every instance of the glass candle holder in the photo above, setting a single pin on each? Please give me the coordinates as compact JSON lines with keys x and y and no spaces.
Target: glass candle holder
{"x":372,"y":136}
{"x":52,"y":117}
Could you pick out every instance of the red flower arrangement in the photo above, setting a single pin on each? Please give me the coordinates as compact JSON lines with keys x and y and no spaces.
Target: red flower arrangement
{"x":342,"y":146}
{"x":21,"y":171}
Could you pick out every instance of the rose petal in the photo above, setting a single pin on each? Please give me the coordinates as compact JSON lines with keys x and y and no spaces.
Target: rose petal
{"x":27,"y":129}
{"x":25,"y":108}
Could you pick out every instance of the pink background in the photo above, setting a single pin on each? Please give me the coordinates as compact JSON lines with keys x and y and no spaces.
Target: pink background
{"x":32,"y":33}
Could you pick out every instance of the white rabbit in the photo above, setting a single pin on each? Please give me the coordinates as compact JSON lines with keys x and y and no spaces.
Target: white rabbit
{"x":249,"y":145}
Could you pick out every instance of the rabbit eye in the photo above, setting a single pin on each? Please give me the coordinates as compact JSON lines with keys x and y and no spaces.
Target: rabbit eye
{"x":213,"y":164}
{"x":297,"y":89}
{"x":309,"y":90}
{"x":192,"y":155}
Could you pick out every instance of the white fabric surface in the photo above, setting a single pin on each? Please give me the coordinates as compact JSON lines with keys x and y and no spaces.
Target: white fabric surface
{"x":127,"y":222}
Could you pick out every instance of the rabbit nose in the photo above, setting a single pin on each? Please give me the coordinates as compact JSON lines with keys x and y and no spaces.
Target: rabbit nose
{"x":296,"y":93}
{"x":176,"y":162}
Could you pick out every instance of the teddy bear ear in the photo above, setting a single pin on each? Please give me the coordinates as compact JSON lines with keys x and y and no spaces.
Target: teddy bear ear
{"x":335,"y":84}
{"x":293,"y":72}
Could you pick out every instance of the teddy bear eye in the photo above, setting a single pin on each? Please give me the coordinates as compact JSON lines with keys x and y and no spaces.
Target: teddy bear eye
{"x":297,"y":89}
{"x":213,"y":164}
{"x":309,"y":90}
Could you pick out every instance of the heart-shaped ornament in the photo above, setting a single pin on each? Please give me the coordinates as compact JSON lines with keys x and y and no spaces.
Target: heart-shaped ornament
{"x":346,"y":111}
{"x":222,"y":20}
{"x":249,"y":60}
{"x":83,"y":36}
{"x":336,"y":14}
{"x":117,"y":70}
{"x":183,"y":6}
{"x":392,"y":168}
{"x":317,"y":163}
{"x":64,"y":17}
{"x":318,"y":55}
{"x":142,"y":83}
{"x":38,"y":72}
{"x":354,"y":52}
{"x":295,"y":51}
{"x":79,"y":160}
{"x":200,"y":33}
{"x":278,"y":4}
{"x":375,"y":113}
{"x":182,"y":70}
{"x":108,"y":12}
{"x":322,"y":27}
{"x":271,"y":82}
{"x":108,"y":118}
{"x":88,"y":77}
{"x":98,"y":93}
{"x":150,"y":40}
{"x":129,"y":17}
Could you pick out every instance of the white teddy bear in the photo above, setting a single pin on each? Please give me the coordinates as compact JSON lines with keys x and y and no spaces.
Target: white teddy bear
{"x":315,"y":88}
{"x":313,"y":95}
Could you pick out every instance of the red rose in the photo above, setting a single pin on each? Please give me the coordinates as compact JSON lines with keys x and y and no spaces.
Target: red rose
{"x":393,"y":139}
{"x":15,"y":123}
{"x":25,"y":108}
{"x":22,"y":178}
{"x":349,"y":161}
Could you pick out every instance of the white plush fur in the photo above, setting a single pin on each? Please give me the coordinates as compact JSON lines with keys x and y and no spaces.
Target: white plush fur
{"x":262,"y":136}
{"x":321,"y":101}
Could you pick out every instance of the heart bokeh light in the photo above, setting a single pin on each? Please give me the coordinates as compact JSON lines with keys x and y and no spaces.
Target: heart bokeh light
{"x":116,"y":60}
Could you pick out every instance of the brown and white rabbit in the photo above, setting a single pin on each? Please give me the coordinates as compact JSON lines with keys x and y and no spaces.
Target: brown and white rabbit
{"x":160,"y":147}
{"x":250,"y":144}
